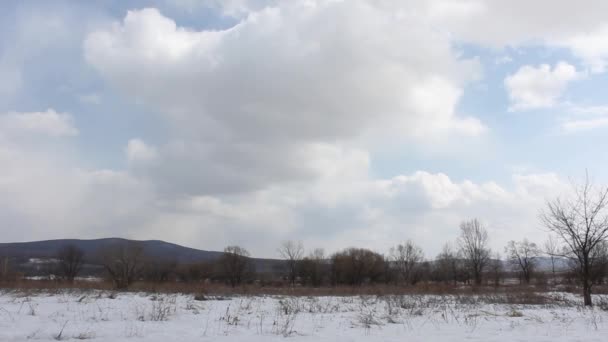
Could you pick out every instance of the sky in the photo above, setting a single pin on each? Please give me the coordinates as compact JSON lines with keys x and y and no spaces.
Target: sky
{"x":210,"y":123}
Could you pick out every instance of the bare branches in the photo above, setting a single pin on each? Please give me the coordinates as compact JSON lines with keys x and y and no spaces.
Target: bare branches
{"x":473,"y":242}
{"x":552,"y":249}
{"x":235,"y":264}
{"x":581,"y":223}
{"x":523,"y":255}
{"x":71,"y":259}
{"x":292,"y":252}
{"x":124,"y":262}
{"x":407,"y":258}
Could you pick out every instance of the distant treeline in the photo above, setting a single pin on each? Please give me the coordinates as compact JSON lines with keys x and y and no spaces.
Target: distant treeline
{"x":577,"y":226}
{"x":465,"y":261}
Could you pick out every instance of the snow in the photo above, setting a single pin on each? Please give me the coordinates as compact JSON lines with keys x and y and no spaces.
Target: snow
{"x":104,"y":316}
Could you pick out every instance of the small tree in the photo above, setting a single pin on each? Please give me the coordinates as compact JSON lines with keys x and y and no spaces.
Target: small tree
{"x":496,"y":268}
{"x":523,"y":255}
{"x":473,"y":242}
{"x":600,"y":265}
{"x":552,"y":249}
{"x":407,"y":258}
{"x":581,"y":223}
{"x":292,"y":252}
{"x":235,"y":264}
{"x":160,"y":269}
{"x":446,"y":264}
{"x":71,"y":259}
{"x":4,"y":268}
{"x":313,"y":267}
{"x":354,"y":266}
{"x":124,"y":262}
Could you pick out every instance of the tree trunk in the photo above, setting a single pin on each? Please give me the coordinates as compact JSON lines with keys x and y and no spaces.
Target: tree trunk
{"x":477,"y":274}
{"x":586,"y":281}
{"x":587,"y":292}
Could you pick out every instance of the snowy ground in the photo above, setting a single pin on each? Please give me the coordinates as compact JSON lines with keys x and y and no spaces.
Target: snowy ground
{"x":103,"y":316}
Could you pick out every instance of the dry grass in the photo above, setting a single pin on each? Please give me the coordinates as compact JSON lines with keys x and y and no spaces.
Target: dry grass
{"x":505,"y":294}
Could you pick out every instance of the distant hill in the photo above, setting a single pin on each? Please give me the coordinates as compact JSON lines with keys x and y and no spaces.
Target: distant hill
{"x":24,"y":251}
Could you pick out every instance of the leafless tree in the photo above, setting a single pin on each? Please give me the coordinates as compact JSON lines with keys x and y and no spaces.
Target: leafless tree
{"x":235,"y":264}
{"x":581,"y":222}
{"x":496,"y":268}
{"x":473,"y":243}
{"x":446,"y":264}
{"x":292,"y":252}
{"x":600,"y":264}
{"x":354,"y":266}
{"x":124,"y":262}
{"x":160,"y":269}
{"x":407,"y":258}
{"x":523,"y":254}
{"x":4,"y":267}
{"x":71,"y":259}
{"x":313,"y":267}
{"x":551,"y":248}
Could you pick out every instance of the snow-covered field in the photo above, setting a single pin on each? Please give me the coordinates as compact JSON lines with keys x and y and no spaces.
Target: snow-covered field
{"x":103,"y":316}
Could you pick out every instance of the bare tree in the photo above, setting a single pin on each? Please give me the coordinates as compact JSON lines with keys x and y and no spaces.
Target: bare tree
{"x":4,"y":268}
{"x":446,"y":264}
{"x":551,"y":248}
{"x":160,"y":269}
{"x":473,"y":242}
{"x":581,"y":222}
{"x":313,"y":267}
{"x":496,"y":268}
{"x":600,"y":265}
{"x":71,"y":259}
{"x":354,"y":266}
{"x":407,"y":258}
{"x":235,"y":264}
{"x":523,"y":254}
{"x":124,"y":262}
{"x":292,"y":252}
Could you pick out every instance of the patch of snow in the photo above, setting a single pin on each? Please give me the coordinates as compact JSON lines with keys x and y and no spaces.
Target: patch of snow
{"x":160,"y":317}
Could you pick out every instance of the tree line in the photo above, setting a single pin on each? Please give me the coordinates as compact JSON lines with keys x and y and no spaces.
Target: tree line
{"x":577,"y":228}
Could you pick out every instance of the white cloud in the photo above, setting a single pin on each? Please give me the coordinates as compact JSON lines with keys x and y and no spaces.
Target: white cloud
{"x":49,"y":123}
{"x":302,"y":84}
{"x":591,"y":47}
{"x":343,"y":207}
{"x":269,"y":123}
{"x":499,"y":24}
{"x":503,"y":60}
{"x":539,"y":87}
{"x":138,"y":151}
{"x":574,"y":125}
{"x":584,"y":118}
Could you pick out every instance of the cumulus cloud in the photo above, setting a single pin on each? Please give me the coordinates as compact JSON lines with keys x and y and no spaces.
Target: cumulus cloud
{"x":263,"y":95}
{"x":44,"y":195}
{"x":138,"y":151}
{"x":49,"y":123}
{"x":539,"y":87}
{"x":266,"y":125}
{"x":591,"y":47}
{"x":521,"y":23}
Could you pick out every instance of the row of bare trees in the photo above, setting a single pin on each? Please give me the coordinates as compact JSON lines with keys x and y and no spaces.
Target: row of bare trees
{"x":468,"y":261}
{"x":577,"y":227}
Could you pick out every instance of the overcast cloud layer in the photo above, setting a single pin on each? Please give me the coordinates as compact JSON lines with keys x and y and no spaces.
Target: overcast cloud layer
{"x":338,"y":123}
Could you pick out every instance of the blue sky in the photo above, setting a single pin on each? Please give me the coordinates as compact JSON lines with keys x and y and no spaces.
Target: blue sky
{"x":210,"y":123}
